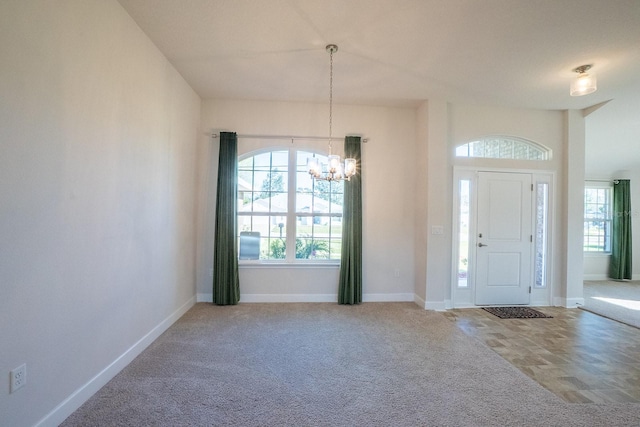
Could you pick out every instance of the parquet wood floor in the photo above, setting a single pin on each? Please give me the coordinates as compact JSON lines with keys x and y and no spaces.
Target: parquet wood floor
{"x":578,"y":355}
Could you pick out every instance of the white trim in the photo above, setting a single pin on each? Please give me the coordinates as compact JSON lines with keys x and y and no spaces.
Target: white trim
{"x":595,"y":277}
{"x":547,"y":152}
{"x":465,"y":297}
{"x":284,"y":298}
{"x":568,"y":302}
{"x":436,"y":305}
{"x":387,"y":297}
{"x":244,"y":264}
{"x":601,"y":277}
{"x":252,"y":298}
{"x":82,"y":394}
{"x":542,"y":303}
{"x":598,"y":183}
{"x":466,"y":305}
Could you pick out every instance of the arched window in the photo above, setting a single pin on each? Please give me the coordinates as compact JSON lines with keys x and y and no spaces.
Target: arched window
{"x":503,"y":147}
{"x":281,"y":207}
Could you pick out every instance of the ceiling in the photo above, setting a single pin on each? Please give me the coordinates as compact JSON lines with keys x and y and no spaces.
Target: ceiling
{"x":515,"y":53}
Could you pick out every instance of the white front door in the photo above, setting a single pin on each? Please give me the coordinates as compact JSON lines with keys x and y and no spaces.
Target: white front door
{"x":504,"y":239}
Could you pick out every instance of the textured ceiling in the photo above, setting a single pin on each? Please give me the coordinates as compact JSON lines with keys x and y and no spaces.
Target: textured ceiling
{"x":516,"y":53}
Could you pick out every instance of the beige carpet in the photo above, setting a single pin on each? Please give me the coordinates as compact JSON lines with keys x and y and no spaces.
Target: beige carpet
{"x":613,"y":299}
{"x":376,"y":364}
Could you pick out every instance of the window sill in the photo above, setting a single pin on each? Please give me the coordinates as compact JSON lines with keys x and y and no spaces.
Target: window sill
{"x":596,"y":254}
{"x":266,"y":264}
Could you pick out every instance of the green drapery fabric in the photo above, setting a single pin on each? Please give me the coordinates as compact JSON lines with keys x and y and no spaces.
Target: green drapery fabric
{"x":350,"y":282}
{"x":620,"y":267}
{"x":226,"y":286}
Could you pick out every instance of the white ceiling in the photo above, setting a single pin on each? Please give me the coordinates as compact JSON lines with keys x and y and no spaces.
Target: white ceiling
{"x":516,"y":53}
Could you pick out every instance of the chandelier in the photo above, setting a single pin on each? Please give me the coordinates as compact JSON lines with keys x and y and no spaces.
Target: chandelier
{"x":334,"y":170}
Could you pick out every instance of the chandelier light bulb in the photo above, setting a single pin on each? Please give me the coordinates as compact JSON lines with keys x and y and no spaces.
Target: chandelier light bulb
{"x":349,"y":167}
{"x":334,"y":163}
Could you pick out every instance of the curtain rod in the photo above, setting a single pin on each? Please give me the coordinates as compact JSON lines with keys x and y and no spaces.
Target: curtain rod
{"x":290,"y":137}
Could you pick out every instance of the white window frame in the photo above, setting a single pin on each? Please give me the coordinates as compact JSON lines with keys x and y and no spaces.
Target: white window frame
{"x":503,"y":147}
{"x":600,"y":185}
{"x":291,"y":215}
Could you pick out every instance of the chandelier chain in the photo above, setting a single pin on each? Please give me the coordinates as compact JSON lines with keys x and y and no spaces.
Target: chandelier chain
{"x":330,"y":98}
{"x":335,"y":170}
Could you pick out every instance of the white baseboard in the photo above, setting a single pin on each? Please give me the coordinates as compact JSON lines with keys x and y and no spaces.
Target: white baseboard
{"x":81,"y":395}
{"x":251,"y":298}
{"x":275,"y":298}
{"x":594,"y":277}
{"x":541,"y":303}
{"x":601,"y":277}
{"x":465,"y":305}
{"x":387,"y":298}
{"x":419,"y":301}
{"x":436,"y":305}
{"x":568,"y":302}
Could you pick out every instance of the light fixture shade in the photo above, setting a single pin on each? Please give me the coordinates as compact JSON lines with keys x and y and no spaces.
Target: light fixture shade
{"x":349,"y":167}
{"x":583,"y":84}
{"x":313,"y":167}
{"x":334,"y":163}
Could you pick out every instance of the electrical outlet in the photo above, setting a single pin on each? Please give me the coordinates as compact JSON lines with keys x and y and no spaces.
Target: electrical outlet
{"x":18,"y":378}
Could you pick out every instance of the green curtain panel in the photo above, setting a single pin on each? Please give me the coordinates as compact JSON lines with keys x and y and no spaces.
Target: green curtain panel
{"x":620,"y":267}
{"x":226,"y":286}
{"x":350,"y":284}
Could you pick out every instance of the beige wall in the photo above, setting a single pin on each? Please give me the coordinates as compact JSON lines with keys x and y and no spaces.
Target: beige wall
{"x":98,"y":137}
{"x":388,"y":195}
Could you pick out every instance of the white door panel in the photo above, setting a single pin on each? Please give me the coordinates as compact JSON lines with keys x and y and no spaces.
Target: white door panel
{"x":503,"y":250}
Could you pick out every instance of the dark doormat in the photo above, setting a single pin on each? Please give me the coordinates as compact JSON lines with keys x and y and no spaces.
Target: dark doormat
{"x":515,"y":312}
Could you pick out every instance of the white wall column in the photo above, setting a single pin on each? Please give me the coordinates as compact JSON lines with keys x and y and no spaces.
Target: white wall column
{"x":439,"y":200}
{"x":570,"y":293}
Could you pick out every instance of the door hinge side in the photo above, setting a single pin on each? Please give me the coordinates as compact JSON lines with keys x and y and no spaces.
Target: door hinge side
{"x":529,"y":289}
{"x":531,"y":238}
{"x":531,"y":187}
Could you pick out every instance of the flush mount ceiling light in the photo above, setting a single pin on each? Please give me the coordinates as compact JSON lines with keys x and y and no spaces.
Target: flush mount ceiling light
{"x":584,"y":83}
{"x":334,"y":170}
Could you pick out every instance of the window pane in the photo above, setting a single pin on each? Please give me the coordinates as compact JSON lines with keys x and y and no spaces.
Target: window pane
{"x":462,"y":151}
{"x":263,"y":201}
{"x":270,"y":230}
{"x":316,"y":196}
{"x":502,"y":148}
{"x":597,"y":219}
{"x":463,"y":233}
{"x":318,"y":237}
{"x":542,"y":200}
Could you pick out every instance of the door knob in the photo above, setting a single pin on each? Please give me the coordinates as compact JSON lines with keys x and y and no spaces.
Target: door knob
{"x":481,"y":245}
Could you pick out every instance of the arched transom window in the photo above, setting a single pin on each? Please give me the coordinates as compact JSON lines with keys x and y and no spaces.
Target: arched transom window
{"x":503,"y":147}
